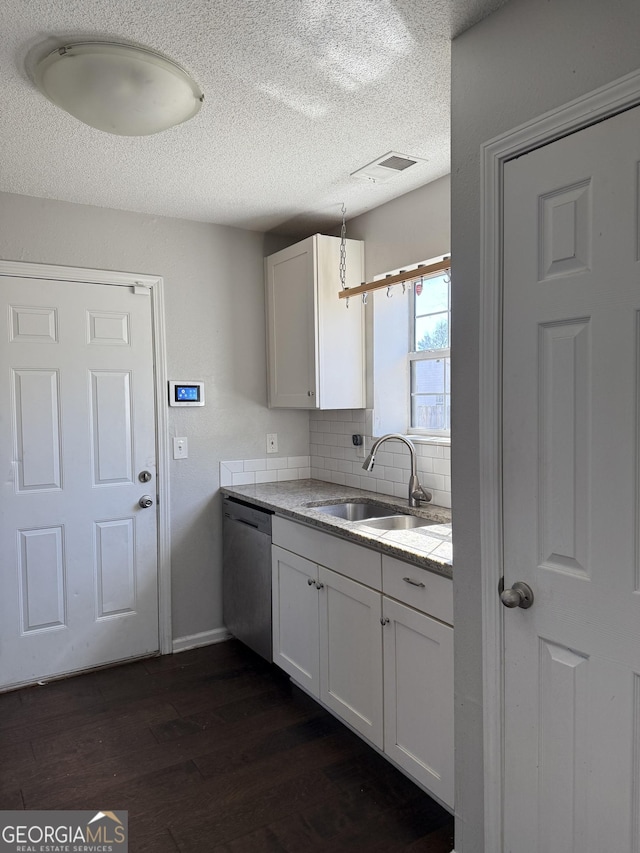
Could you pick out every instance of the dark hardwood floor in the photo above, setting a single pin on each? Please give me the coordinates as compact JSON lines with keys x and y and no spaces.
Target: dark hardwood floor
{"x":212,"y":751}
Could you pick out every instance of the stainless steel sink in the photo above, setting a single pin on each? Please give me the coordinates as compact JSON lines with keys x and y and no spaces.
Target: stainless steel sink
{"x":376,"y":515}
{"x":355,"y":510}
{"x":396,"y":522}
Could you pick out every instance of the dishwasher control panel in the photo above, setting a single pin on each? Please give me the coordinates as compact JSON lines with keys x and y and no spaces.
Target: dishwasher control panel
{"x":252,"y":516}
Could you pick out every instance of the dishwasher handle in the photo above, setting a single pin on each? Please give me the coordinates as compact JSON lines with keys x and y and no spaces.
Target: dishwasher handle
{"x":242,"y":521}
{"x":251,"y":516}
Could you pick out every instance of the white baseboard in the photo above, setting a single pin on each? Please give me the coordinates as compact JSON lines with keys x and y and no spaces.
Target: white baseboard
{"x":206,"y":638}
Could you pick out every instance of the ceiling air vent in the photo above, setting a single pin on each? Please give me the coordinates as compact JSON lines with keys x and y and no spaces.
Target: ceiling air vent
{"x":386,"y":167}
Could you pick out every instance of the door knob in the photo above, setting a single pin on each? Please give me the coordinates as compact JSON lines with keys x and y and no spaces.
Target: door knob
{"x":520,"y":595}
{"x":145,"y":501}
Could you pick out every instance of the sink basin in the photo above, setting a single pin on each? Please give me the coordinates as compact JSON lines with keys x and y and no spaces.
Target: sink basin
{"x":396,"y":522}
{"x":378,"y":516}
{"x":355,"y":510}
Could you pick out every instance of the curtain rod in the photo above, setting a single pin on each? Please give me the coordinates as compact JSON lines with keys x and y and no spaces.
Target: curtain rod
{"x":409,"y":275}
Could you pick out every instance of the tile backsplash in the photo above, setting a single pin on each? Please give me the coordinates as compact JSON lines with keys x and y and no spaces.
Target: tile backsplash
{"x":246,"y":472}
{"x":335,"y":459}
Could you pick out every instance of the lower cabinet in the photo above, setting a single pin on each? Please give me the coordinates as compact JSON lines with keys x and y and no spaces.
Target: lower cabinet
{"x":351,"y":653}
{"x":376,"y":660}
{"x":418,"y":691}
{"x":295,"y":618}
{"x":327,"y":637}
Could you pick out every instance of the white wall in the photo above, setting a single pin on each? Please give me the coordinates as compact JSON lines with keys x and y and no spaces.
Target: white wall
{"x":402,"y":232}
{"x":214,"y":298}
{"x":335,"y":459}
{"x":525,"y":59}
{"x":406,"y":230}
{"x":411,"y":228}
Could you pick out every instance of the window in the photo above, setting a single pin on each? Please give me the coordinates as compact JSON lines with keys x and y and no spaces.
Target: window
{"x":409,"y":356}
{"x":430,"y":356}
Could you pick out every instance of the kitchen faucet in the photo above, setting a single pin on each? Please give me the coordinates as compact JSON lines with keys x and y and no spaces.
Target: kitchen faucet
{"x":416,"y":492}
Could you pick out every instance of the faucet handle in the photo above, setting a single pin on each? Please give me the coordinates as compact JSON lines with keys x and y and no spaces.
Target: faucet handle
{"x":421,"y":494}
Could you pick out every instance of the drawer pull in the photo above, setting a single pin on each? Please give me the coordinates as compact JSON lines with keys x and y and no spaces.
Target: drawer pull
{"x":311,"y":581}
{"x":414,"y":583}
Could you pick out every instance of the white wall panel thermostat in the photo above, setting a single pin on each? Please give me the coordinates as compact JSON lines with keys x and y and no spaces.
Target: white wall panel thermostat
{"x":186,"y":393}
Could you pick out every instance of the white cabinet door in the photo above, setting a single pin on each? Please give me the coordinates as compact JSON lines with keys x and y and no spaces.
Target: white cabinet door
{"x":418,"y":691}
{"x":295,"y":617}
{"x":315,"y":343}
{"x":340,"y":329}
{"x":351,"y":653}
{"x":291,"y":327}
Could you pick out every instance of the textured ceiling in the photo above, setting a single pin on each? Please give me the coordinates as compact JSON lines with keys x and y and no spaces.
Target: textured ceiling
{"x":298,"y":94}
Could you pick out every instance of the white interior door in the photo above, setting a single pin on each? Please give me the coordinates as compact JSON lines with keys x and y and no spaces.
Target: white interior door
{"x":571,"y":380}
{"x":78,"y":570}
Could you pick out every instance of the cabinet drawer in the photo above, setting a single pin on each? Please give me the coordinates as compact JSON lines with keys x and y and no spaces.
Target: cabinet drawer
{"x":419,"y":588}
{"x":354,"y":561}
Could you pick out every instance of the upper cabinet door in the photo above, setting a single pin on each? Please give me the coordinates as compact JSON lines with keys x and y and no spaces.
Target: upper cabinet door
{"x":315,"y":343}
{"x":291,"y":320}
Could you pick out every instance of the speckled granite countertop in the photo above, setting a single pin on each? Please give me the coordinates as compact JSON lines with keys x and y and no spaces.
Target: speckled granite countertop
{"x":428,"y":547}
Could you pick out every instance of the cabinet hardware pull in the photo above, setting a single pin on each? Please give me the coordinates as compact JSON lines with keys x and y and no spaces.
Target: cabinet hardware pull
{"x":311,"y":581}
{"x":319,"y":585}
{"x":243,"y":521}
{"x":414,"y":583}
{"x":384,"y":620}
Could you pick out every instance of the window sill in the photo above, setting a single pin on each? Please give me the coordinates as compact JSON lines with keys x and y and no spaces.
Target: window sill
{"x":417,"y":438}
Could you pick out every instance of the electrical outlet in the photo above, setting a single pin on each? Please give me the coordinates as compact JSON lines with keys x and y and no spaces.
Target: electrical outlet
{"x":180,"y":448}
{"x":358,"y":442}
{"x":272,"y":442}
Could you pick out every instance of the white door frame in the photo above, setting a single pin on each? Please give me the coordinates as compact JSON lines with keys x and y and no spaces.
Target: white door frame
{"x":589,"y":109}
{"x":155,"y":284}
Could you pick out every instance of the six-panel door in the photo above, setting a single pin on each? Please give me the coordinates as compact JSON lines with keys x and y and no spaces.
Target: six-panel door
{"x":571,"y":381}
{"x":77,"y":426}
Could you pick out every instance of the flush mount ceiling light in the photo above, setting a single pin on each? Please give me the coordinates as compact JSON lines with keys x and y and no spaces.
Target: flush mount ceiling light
{"x":118,"y":88}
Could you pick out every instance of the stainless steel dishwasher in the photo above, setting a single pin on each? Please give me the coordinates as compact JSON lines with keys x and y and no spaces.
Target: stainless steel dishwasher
{"x":246,"y":581}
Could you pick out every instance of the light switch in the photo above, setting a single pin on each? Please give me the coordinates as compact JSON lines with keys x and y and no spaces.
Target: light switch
{"x":180,"y":448}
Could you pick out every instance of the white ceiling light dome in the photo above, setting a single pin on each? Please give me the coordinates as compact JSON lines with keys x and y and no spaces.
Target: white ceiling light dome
{"x":118,"y":88}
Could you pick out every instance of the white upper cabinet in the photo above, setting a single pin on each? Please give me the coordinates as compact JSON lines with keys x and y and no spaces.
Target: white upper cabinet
{"x":315,"y":342}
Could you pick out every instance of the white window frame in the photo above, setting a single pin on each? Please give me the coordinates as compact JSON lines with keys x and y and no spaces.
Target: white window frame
{"x":414,"y":355}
